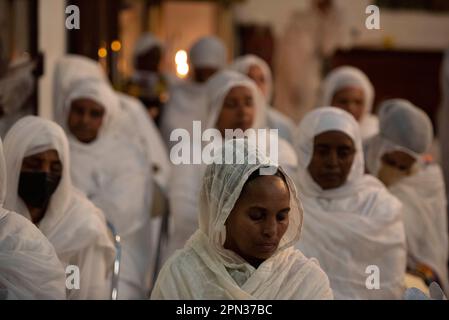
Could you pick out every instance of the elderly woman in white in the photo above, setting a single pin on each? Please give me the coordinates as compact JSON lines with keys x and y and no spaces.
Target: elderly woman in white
{"x":249,"y":221}
{"x":397,"y":156}
{"x":350,"y":89}
{"x":29,"y":266}
{"x":40,"y":188}
{"x":352,"y":224}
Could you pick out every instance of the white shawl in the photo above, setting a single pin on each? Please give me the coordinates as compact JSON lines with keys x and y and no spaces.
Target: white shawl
{"x":204,"y":269}
{"x":354,"y":226}
{"x":75,"y":227}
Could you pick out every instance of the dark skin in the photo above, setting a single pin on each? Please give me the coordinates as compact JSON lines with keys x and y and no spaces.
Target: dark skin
{"x":333,"y":155}
{"x":350,"y":99}
{"x":238,"y":110}
{"x":47,"y":161}
{"x":259,"y":219}
{"x":150,"y":60}
{"x":85,"y":119}
{"x":202,"y":74}
{"x":399,"y":160}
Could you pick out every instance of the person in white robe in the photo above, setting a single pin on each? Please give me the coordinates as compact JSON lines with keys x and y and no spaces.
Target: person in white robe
{"x":245,"y":114}
{"x":232,"y":257}
{"x":259,"y":71}
{"x":110,"y":170}
{"x":350,"y":89}
{"x":76,"y":228}
{"x":398,"y":157}
{"x":188,"y":100}
{"x":140,"y":130}
{"x":352,"y":224}
{"x":29,"y":266}
{"x":310,"y":38}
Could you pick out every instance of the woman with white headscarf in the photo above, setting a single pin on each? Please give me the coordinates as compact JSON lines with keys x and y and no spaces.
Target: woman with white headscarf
{"x":259,"y":71}
{"x":239,"y":252}
{"x":134,"y":125}
{"x":235,"y":103}
{"x":110,"y":169}
{"x":40,"y":188}
{"x":352,"y":224}
{"x":350,"y":89}
{"x":397,"y":156}
{"x":188,"y":99}
{"x":29,"y":266}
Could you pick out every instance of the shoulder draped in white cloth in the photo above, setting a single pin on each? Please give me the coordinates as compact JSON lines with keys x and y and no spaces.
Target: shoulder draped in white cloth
{"x":204,"y":269}
{"x":75,"y":227}
{"x":344,"y":77}
{"x":354,"y":226}
{"x":406,"y":128}
{"x":29,"y":266}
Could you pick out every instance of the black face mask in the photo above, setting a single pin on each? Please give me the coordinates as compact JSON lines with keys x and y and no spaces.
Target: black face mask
{"x":36,"y":188}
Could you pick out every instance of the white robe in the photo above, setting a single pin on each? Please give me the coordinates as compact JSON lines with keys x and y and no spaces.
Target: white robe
{"x":75,"y":227}
{"x":116,"y":177}
{"x":204,"y":269}
{"x":29,"y":266}
{"x":355,"y":226}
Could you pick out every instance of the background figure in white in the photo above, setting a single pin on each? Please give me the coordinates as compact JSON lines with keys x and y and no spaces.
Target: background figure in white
{"x":235,"y":103}
{"x":109,"y":167}
{"x":350,"y":89}
{"x":397,"y":156}
{"x":351,"y":221}
{"x":40,"y":188}
{"x":149,"y":83}
{"x":29,"y":266}
{"x":311,"y":37}
{"x":188,"y":100}
{"x":139,"y":129}
{"x":259,"y":71}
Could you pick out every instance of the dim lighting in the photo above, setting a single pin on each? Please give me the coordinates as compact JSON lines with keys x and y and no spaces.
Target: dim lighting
{"x":116,"y":46}
{"x":182,"y":67}
{"x":102,"y":52}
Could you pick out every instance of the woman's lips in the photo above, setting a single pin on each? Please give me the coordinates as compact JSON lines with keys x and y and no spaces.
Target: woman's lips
{"x":267,"y":246}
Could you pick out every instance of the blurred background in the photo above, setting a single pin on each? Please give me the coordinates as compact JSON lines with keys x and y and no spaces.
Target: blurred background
{"x":403,"y":58}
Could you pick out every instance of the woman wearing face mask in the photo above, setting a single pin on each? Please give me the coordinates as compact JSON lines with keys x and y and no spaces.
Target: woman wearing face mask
{"x":397,"y":157}
{"x":353,"y":226}
{"x":40,"y":188}
{"x":348,"y":88}
{"x":29,"y":266}
{"x":259,"y":71}
{"x":234,"y":104}
{"x":243,"y":249}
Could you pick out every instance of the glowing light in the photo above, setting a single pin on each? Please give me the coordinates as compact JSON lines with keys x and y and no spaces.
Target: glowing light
{"x":116,"y":46}
{"x":182,"y":67}
{"x":102,"y":52}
